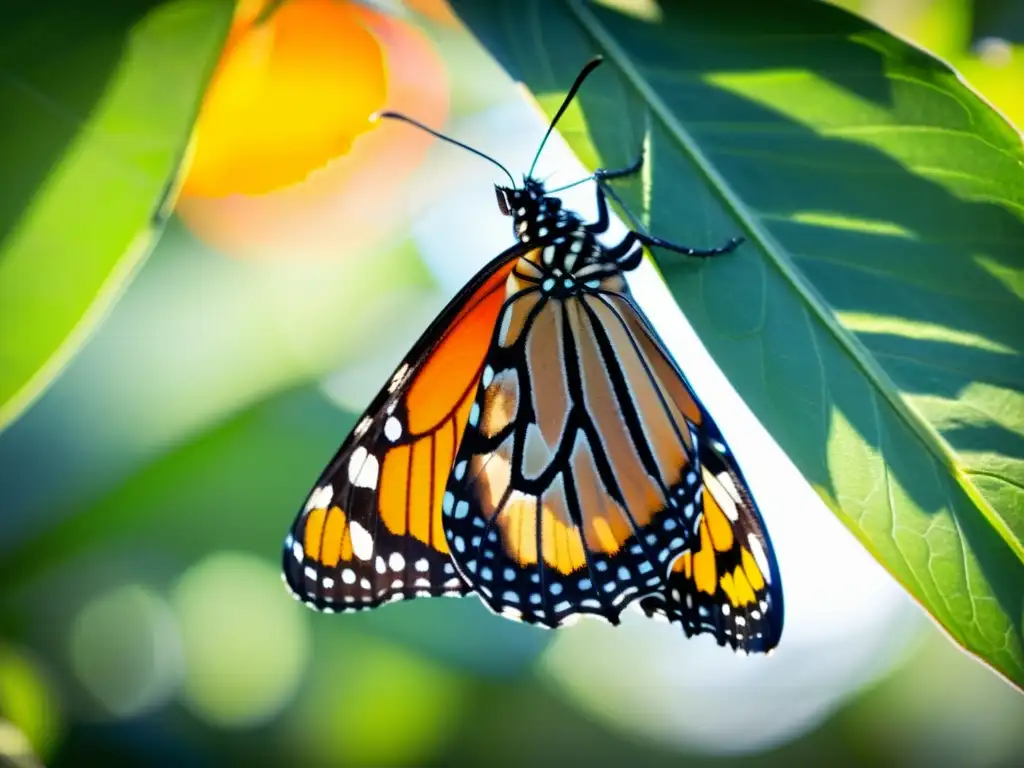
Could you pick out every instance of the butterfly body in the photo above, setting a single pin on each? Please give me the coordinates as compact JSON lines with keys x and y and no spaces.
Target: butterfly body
{"x":540,"y":447}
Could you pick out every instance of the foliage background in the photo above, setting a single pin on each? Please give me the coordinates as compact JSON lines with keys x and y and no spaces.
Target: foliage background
{"x":145,"y":495}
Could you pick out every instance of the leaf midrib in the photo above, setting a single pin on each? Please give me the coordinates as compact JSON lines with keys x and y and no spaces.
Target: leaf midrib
{"x":814,"y":303}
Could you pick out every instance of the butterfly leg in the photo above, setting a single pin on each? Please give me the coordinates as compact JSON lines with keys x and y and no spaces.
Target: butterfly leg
{"x":600,"y":176}
{"x":732,"y":244}
{"x":620,"y":251}
{"x":603,"y":174}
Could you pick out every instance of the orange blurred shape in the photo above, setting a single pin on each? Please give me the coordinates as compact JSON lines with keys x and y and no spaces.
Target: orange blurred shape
{"x":289,"y":94}
{"x":285,"y":162}
{"x":435,"y":10}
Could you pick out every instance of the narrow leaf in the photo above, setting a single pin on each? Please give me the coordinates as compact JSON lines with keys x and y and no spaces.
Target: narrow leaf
{"x":98,"y":100}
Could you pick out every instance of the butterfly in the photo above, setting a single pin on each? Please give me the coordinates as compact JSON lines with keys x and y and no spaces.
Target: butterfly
{"x":540,"y":447}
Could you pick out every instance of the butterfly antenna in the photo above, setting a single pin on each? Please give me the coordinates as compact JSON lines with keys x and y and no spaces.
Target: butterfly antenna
{"x":556,"y":190}
{"x":398,"y":116}
{"x":590,"y":66}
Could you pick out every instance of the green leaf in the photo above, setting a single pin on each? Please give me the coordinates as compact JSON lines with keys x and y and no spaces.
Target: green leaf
{"x":98,"y":100}
{"x":874,"y":320}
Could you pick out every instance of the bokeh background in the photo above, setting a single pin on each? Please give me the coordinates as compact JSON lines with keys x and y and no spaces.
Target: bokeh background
{"x":146,"y":494}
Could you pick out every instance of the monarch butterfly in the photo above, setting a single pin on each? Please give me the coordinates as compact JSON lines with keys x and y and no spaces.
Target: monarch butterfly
{"x":540,"y":447}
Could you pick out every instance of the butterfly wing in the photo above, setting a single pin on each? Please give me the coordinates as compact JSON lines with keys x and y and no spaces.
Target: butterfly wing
{"x":728,"y":583}
{"x":370,"y":531}
{"x":576,"y":479}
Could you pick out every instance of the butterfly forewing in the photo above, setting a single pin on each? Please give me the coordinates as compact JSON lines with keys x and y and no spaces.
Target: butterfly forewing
{"x":370,"y":530}
{"x":575,"y":482}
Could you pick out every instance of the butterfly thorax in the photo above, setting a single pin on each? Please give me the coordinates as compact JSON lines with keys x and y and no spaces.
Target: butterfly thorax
{"x":566,"y":257}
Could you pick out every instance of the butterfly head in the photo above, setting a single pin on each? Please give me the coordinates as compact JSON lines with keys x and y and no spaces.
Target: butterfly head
{"x":534,"y":213}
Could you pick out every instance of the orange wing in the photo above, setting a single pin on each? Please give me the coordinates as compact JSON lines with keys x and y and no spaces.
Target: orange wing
{"x":728,"y":584}
{"x":370,"y":531}
{"x":577,"y":480}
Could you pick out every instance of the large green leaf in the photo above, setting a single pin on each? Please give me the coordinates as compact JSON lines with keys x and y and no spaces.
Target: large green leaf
{"x":98,"y":100}
{"x":874,"y":321}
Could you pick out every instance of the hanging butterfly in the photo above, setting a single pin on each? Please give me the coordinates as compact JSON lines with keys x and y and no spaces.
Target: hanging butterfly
{"x":540,"y":447}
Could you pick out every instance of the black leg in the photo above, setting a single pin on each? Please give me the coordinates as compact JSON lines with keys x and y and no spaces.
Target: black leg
{"x":618,"y":252}
{"x":602,"y":174}
{"x":628,"y":254}
{"x":649,"y":240}
{"x":602,"y":191}
{"x":601,"y":225}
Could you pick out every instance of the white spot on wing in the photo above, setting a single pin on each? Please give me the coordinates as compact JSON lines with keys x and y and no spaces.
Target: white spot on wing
{"x":398,"y":378}
{"x":729,"y":507}
{"x":762,"y":560}
{"x":396,"y":561}
{"x":320,"y":498}
{"x":363,"y":468}
{"x":724,"y":494}
{"x":730,"y":487}
{"x":362,"y":541}
{"x":392,"y":429}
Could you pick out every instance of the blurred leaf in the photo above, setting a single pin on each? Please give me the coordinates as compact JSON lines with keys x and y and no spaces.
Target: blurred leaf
{"x":398,"y":707}
{"x":874,"y":320}
{"x":206,"y":337}
{"x":28,"y":707}
{"x":98,"y":100}
{"x":236,"y":487}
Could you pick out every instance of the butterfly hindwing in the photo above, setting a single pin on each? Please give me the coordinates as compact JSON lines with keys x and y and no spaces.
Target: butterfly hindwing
{"x":728,"y":584}
{"x":370,"y":531}
{"x":576,"y":480}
